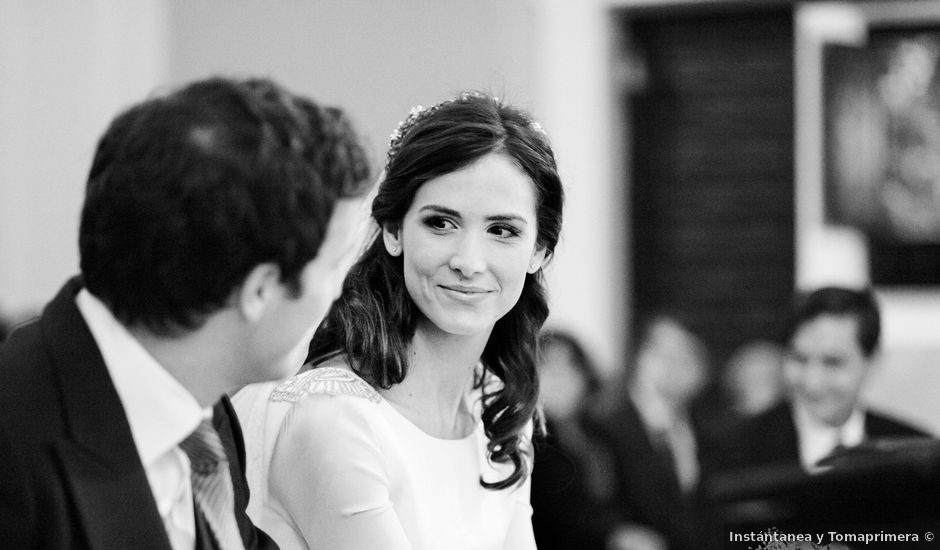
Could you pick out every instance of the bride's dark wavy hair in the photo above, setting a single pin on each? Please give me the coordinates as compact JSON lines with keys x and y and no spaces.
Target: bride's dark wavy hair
{"x":374,"y":319}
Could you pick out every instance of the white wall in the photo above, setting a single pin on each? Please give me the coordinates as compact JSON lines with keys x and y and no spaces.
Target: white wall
{"x":375,"y":58}
{"x":65,"y":69}
{"x":578,"y":54}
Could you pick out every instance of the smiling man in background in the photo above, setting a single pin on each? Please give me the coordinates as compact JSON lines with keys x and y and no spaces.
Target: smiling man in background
{"x":831,"y":340}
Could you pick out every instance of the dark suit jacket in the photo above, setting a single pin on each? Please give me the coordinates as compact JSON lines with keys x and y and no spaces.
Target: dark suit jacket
{"x":70,"y":475}
{"x":566,"y":515}
{"x":754,"y":480}
{"x":648,"y":488}
{"x":771,"y":438}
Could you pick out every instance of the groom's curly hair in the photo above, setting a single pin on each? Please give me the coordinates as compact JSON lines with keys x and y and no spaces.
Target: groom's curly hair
{"x":190,"y":190}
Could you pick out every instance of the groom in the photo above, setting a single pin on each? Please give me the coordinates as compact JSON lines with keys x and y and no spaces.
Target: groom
{"x":218,"y":224}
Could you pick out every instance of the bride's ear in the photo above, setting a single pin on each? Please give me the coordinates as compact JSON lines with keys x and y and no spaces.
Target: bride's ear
{"x":391,"y":236}
{"x":539,"y":257}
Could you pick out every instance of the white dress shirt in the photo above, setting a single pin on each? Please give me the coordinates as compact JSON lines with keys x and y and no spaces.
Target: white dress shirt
{"x":818,"y":439}
{"x":160,"y":411}
{"x":676,"y":426}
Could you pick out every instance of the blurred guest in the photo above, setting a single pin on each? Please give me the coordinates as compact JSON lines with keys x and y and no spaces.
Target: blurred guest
{"x":649,"y":425}
{"x":752,"y":381}
{"x":831,"y":341}
{"x":573,"y":477}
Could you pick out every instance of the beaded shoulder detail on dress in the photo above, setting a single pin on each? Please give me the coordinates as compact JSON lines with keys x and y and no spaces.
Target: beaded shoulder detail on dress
{"x":325,"y":380}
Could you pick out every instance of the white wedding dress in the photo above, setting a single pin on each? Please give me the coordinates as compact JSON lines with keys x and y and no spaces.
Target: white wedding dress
{"x":334,"y":466}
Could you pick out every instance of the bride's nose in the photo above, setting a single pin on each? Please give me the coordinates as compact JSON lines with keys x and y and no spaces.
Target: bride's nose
{"x":468,"y":256}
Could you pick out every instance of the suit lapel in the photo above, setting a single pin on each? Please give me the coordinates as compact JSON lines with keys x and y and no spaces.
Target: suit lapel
{"x":226,"y":424}
{"x":114,"y":502}
{"x":782,"y":439}
{"x":108,"y":482}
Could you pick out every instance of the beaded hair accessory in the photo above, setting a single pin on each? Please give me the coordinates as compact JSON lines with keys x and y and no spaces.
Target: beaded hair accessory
{"x":416,"y":114}
{"x":419,"y":113}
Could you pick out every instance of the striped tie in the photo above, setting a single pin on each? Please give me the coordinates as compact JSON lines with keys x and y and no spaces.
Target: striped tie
{"x":212,"y":484}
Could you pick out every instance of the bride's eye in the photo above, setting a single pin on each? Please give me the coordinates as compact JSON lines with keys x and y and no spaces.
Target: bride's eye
{"x":504,"y":231}
{"x":439,"y":223}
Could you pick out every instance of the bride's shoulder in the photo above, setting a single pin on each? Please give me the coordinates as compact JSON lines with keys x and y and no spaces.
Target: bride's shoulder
{"x":327,"y":413}
{"x":333,"y":378}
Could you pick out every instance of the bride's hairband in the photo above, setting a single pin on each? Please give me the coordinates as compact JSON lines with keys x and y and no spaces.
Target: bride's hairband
{"x":419,"y":113}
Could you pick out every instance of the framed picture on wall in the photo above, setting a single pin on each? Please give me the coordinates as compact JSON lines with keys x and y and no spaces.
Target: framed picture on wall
{"x":882,"y":149}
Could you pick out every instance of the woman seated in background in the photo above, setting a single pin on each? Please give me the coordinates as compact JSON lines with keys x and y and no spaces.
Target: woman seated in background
{"x":573,"y":481}
{"x":412,"y":428}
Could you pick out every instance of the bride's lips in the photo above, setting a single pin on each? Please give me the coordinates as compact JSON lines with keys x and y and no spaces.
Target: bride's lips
{"x":464,"y":292}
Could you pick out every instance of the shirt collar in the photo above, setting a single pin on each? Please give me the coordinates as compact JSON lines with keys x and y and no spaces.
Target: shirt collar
{"x":160,"y":411}
{"x":817,"y":439}
{"x":655,"y":412}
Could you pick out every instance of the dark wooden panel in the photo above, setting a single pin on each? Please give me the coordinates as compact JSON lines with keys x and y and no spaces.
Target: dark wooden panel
{"x":712,"y":199}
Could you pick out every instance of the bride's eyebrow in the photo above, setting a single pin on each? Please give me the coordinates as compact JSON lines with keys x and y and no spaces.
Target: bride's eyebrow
{"x":440,"y":210}
{"x":508,"y":218}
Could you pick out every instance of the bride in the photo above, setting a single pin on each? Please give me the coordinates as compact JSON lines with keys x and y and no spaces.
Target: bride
{"x":411,"y":427}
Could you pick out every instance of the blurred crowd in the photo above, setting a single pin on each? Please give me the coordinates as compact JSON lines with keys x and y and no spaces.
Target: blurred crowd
{"x":670,"y":453}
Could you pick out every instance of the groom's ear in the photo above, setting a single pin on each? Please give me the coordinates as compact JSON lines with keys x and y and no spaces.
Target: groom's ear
{"x":257,"y":291}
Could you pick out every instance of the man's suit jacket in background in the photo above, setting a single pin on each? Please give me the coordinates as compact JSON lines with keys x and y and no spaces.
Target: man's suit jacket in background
{"x":567,"y":514}
{"x":755,"y":480}
{"x":648,"y":488}
{"x":71,"y":476}
{"x":770,"y":438}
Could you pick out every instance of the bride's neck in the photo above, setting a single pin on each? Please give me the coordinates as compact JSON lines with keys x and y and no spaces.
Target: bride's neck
{"x":441,"y":368}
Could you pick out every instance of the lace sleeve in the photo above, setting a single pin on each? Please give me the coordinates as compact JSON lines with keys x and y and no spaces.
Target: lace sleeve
{"x":328,"y":470}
